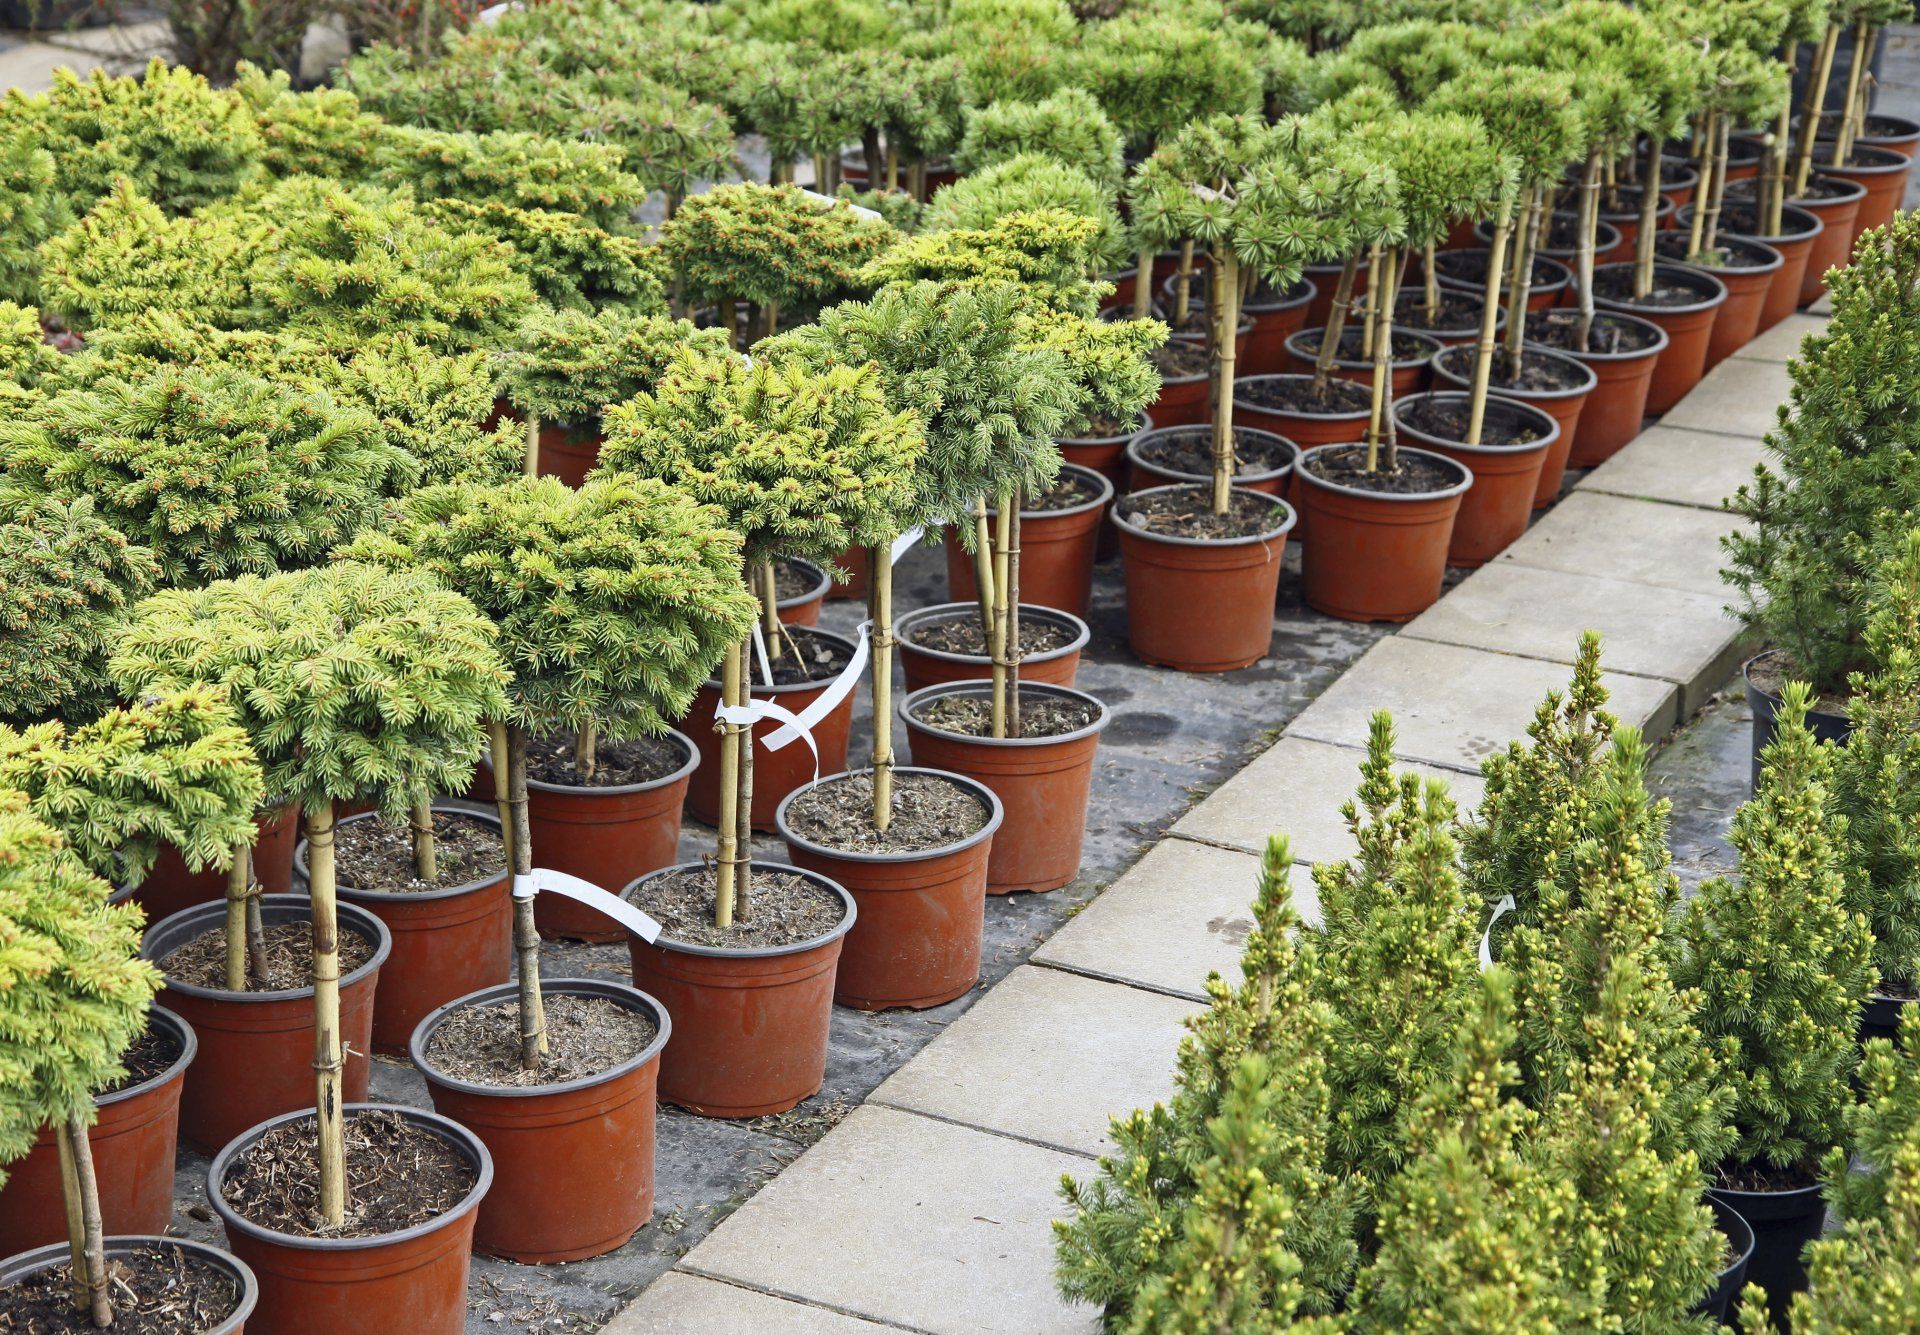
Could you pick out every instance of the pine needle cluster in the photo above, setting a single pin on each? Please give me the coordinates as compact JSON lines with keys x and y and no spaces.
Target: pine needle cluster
{"x":769,"y":244}
{"x":568,"y":366}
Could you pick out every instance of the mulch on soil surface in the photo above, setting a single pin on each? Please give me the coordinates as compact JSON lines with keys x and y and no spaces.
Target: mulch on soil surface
{"x":617,"y":764}
{"x":156,"y":1289}
{"x":1040,"y":715}
{"x":399,"y":1174}
{"x":585,"y":1036}
{"x":928,"y":812}
{"x":376,"y":854}
{"x":962,"y":635}
{"x":1348,"y":466}
{"x":785,"y":908}
{"x":203,"y":960}
{"x":1187,"y":512}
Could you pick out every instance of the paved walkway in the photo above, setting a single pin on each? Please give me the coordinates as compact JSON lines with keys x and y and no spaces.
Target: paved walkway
{"x":28,"y":59}
{"x":929,"y":1208}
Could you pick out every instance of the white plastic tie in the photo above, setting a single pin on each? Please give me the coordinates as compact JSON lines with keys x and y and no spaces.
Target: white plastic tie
{"x":745,"y":716}
{"x":530,"y":884}
{"x":905,"y":543}
{"x":1500,"y":910}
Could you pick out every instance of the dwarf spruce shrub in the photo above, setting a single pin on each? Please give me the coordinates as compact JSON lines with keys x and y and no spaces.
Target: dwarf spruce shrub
{"x":1050,"y":254}
{"x":1030,"y":183}
{"x":25,"y":355}
{"x":432,"y":406}
{"x":524,"y":171}
{"x":125,"y":258}
{"x":31,"y":211}
{"x":1068,"y":127}
{"x":769,"y":245}
{"x":568,"y":366}
{"x":1154,"y":74}
{"x":572,"y":264}
{"x":320,"y":132}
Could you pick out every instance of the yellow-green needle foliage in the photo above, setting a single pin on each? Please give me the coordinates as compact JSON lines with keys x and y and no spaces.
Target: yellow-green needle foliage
{"x":525,"y":171}
{"x":571,"y":263}
{"x":769,"y":244}
{"x":1029,"y":183}
{"x":569,"y":366}
{"x":1068,"y":127}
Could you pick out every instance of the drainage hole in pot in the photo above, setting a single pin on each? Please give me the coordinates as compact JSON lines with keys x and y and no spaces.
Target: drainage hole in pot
{"x":928,"y":812}
{"x":202,"y":962}
{"x":784,"y":908}
{"x":1416,"y":474}
{"x":376,"y":854}
{"x":962,"y":635}
{"x":399,"y":1174}
{"x":1447,"y":419}
{"x":1187,"y":512}
{"x":585,"y":1036}
{"x":554,"y":758}
{"x":1190,"y":450}
{"x":173,"y":1292}
{"x":1040,"y":715}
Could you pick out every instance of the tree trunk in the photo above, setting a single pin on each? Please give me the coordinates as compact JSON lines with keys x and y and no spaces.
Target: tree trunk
{"x":770,"y":609}
{"x":1717,"y":200}
{"x":586,"y":752}
{"x":1003,"y":539}
{"x":1015,"y":501}
{"x":92,"y":1238}
{"x":1703,"y":192}
{"x":1225,"y":345}
{"x":1812,"y":109}
{"x":79,"y":1290}
{"x":497,"y":761}
{"x":1143,"y":283}
{"x":1643,"y":252}
{"x":730,"y":321}
{"x":1853,"y":119}
{"x":1381,"y":342}
{"x":426,"y":864}
{"x":1489,"y":322}
{"x":1183,"y":285}
{"x":526,"y":936}
{"x":726,"y":870}
{"x":893,"y":165}
{"x":1390,"y":271}
{"x":870,"y":155}
{"x":743,"y":805}
{"x":1521,"y":290}
{"x":238,"y":888}
{"x":1431,"y":277}
{"x":1372,"y":322}
{"x":533,"y":445}
{"x":880,"y":608}
{"x":1589,"y":223}
{"x":983,"y":572}
{"x":1336,"y":322}
{"x":329,"y":1058}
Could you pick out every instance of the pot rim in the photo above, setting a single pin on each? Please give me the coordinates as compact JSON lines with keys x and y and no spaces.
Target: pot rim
{"x":1083,"y":633}
{"x":1653,"y":349}
{"x":827,"y":937}
{"x":1293,"y":300}
{"x":1723,"y":1210}
{"x":1664,"y":208}
{"x":1854,"y":191}
{"x":1718,"y":294}
{"x":756,"y":689}
{"x":1786,"y":210}
{"x":1890,"y":161}
{"x":446,"y":1127}
{"x":1690,"y":173}
{"x":1911,"y":132}
{"x":1166,"y":431}
{"x":1308,"y":475}
{"x":1092,"y":729}
{"x":1412,"y":296}
{"x":1146,"y":424}
{"x":822,"y":584}
{"x":1517,"y":405}
{"x":1479,"y":284}
{"x":1735,"y":1195}
{"x":1121,"y":522}
{"x":58,"y":1253}
{"x":367,"y":924}
{"x":1240,"y":404}
{"x":1101,"y":481}
{"x":608,"y":988}
{"x":1354,"y":364}
{"x":189,"y":1047}
{"x":1586,"y":386}
{"x":996,"y":814}
{"x":1752,"y":270}
{"x":1746,"y":677}
{"x":1554,"y":252}
{"x":411,"y":896}
{"x":688,"y":766}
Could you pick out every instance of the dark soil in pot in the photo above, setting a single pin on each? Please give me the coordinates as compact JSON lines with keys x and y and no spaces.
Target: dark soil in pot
{"x":1670,"y":287}
{"x":1102,"y":427}
{"x":944,"y":643}
{"x":787,"y":909}
{"x":1179,"y":361}
{"x":1457,"y":318}
{"x":376,"y":854}
{"x":929,"y":811}
{"x":1448,"y":418}
{"x":1730,"y":252}
{"x":962,"y":635}
{"x":1187,"y":452}
{"x":1766,"y":676}
{"x":1407,"y":346}
{"x":1468,"y":269}
{"x":1786,"y":1210}
{"x":550,"y":759}
{"x":400,"y":1174}
{"x":585,"y":1036}
{"x":1041,"y":716}
{"x":1609,"y":334}
{"x":1563,"y":235}
{"x":1298,"y":394}
{"x":1187,"y":512}
{"x":794,"y":579}
{"x":1417,"y":473}
{"x":148,"y":1057}
{"x":203,"y":960}
{"x":160,"y":1287}
{"x":1068,"y":490}
{"x":1537,"y":375}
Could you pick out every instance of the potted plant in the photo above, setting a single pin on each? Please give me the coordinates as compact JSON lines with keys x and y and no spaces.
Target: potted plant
{"x":1834,"y":492}
{"x":1851,"y":153}
{"x":425,"y":673}
{"x":795,"y":462}
{"x":571,"y":263}
{"x":1067,"y":126}
{"x":1786,"y":1032}
{"x":1351,"y":494}
{"x":69,"y":1015}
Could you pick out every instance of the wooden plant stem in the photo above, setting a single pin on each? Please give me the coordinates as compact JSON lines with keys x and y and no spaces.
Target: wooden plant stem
{"x":1183,"y":285}
{"x":329,"y":1056}
{"x":1430,"y":275}
{"x":1643,"y":251}
{"x":1225,"y":344}
{"x":79,"y":1290}
{"x":1773,"y":216}
{"x":880,"y":608}
{"x":497,"y":761}
{"x":1372,"y":321}
{"x":1015,"y":501}
{"x":1211,"y":323}
{"x":726,"y":871}
{"x":256,"y":927}
{"x":426,"y":862}
{"x":237,"y":896}
{"x":983,"y":570}
{"x":526,"y":936}
{"x":1382,"y":344}
{"x":770,"y":608}
{"x":1489,"y":324}
{"x":730,"y":321}
{"x":1336,"y":321}
{"x":1854,"y":115}
{"x":1702,"y":192}
{"x":586,"y":751}
{"x":1143,"y":283}
{"x":93,"y":1232}
{"x":743,"y":805}
{"x":1390,"y":272}
{"x":1589,"y":223}
{"x":533,"y":445}
{"x":1813,"y":108}
{"x":893,"y":164}
{"x":870,"y":155}
{"x":1520,"y":292}
{"x":1003,"y":539}
{"x":1717,"y":200}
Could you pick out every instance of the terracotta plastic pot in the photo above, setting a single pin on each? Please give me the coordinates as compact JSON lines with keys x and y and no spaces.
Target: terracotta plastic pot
{"x":1373,"y":556}
{"x":1326,"y":283}
{"x":1833,"y":248}
{"x":1182,"y":401}
{"x":916,"y":941}
{"x":1897,"y":134}
{"x":1264,"y":348}
{"x":17,"y":1269}
{"x":1459,"y":235}
{"x":1627,"y":224}
{"x":446,"y":943}
{"x":775,"y":773}
{"x":568,"y":452}
{"x":1738,"y":318}
{"x":1793,"y":246}
{"x":1730,"y":1278}
{"x":1495,"y":509}
{"x":256,"y":1048}
{"x":749,"y":1025}
{"x":1122,"y":294}
{"x":803,"y":609}
{"x":1689,"y":329}
{"x":573,"y":1160}
{"x":1606,"y":238}
{"x":1566,"y":407}
{"x":1107,"y":456}
{"x":1042,"y":782}
{"x":1411,"y":305}
{"x":932,"y":667}
{"x":1143,"y":472}
{"x":1056,"y":551}
{"x":609,"y":835}
{"x":416,"y":1278}
{"x":1551,"y":279}
{"x":1783,"y":1223}
{"x":170,"y":887}
{"x":1613,"y":412}
{"x":1884,"y":174}
{"x":133,"y":1144}
{"x":1765,"y":708}
{"x":1678,"y":180}
{"x":852,"y":564}
{"x":1304,"y":429}
{"x":1201,"y":605}
{"x":1743,"y":158}
{"x":1408,"y":374}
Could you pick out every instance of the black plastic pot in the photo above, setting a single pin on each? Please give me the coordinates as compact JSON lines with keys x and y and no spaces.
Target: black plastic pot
{"x":1783,"y":1223}
{"x":14,"y":1269}
{"x":1835,"y":728}
{"x":1881,"y":1016}
{"x":1733,"y":1275}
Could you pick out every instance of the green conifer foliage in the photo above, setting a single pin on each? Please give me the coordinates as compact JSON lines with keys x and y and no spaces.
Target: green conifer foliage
{"x":1156,"y":74}
{"x":31,"y":211}
{"x":1410,"y":59}
{"x":138,"y":345}
{"x":1050,"y":254}
{"x":668,"y":139}
{"x":218,"y":473}
{"x":173,"y":768}
{"x":1030,"y":183}
{"x":1216,"y":1212}
{"x":180,"y":141}
{"x":1840,"y":485}
{"x":320,"y":132}
{"x":69,"y":578}
{"x":1883,"y":1120}
{"x":525,"y":171}
{"x":125,"y":258}
{"x":25,"y":355}
{"x":433,"y":406}
{"x":566,"y":366}
{"x":1068,"y":127}
{"x":572,"y":264}
{"x":1781,"y":963}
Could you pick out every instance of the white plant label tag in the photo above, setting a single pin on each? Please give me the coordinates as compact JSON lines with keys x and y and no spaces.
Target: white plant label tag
{"x":572,"y":887}
{"x":1500,"y":910}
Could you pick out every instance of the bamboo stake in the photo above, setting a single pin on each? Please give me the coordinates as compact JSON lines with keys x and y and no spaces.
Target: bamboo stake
{"x":1003,"y":539}
{"x":526,"y":934}
{"x":1489,"y":324}
{"x":770,"y":609}
{"x":1372,"y":321}
{"x":1704,"y":190}
{"x":93,"y":1232}
{"x":79,"y":1290}
{"x":1336,"y":321}
{"x":1643,"y":251}
{"x":743,"y":809}
{"x":1856,"y":74}
{"x":1718,"y":198}
{"x":727,"y":867}
{"x":1381,"y":344}
{"x":1814,"y":109}
{"x":497,"y":761}
{"x":983,"y":570}
{"x":533,"y":445}
{"x":1390,"y":272}
{"x":1774,"y":215}
{"x":1589,"y":224}
{"x":1225,"y":343}
{"x":1210,"y":324}
{"x":426,"y":862}
{"x":1014,"y":503}
{"x":1521,"y":291}
{"x":880,"y":608}
{"x":1143,"y":283}
{"x":237,"y":895}
{"x":329,"y":1060}
{"x":1183,"y":285}
{"x":1431,"y":276}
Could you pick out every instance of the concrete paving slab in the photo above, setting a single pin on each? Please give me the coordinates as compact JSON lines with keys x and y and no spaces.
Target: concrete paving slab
{"x":1180,"y":914}
{"x":1738,"y":398}
{"x":1454,"y":707}
{"x":683,"y":1304}
{"x":907,"y":1219}
{"x":118,"y":43}
{"x":1673,"y":634}
{"x":1049,"y":1057}
{"x":1640,"y":542}
{"x":1666,"y":463}
{"x":1296,"y":787}
{"x":30,"y":66}
{"x":1782,"y":342}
